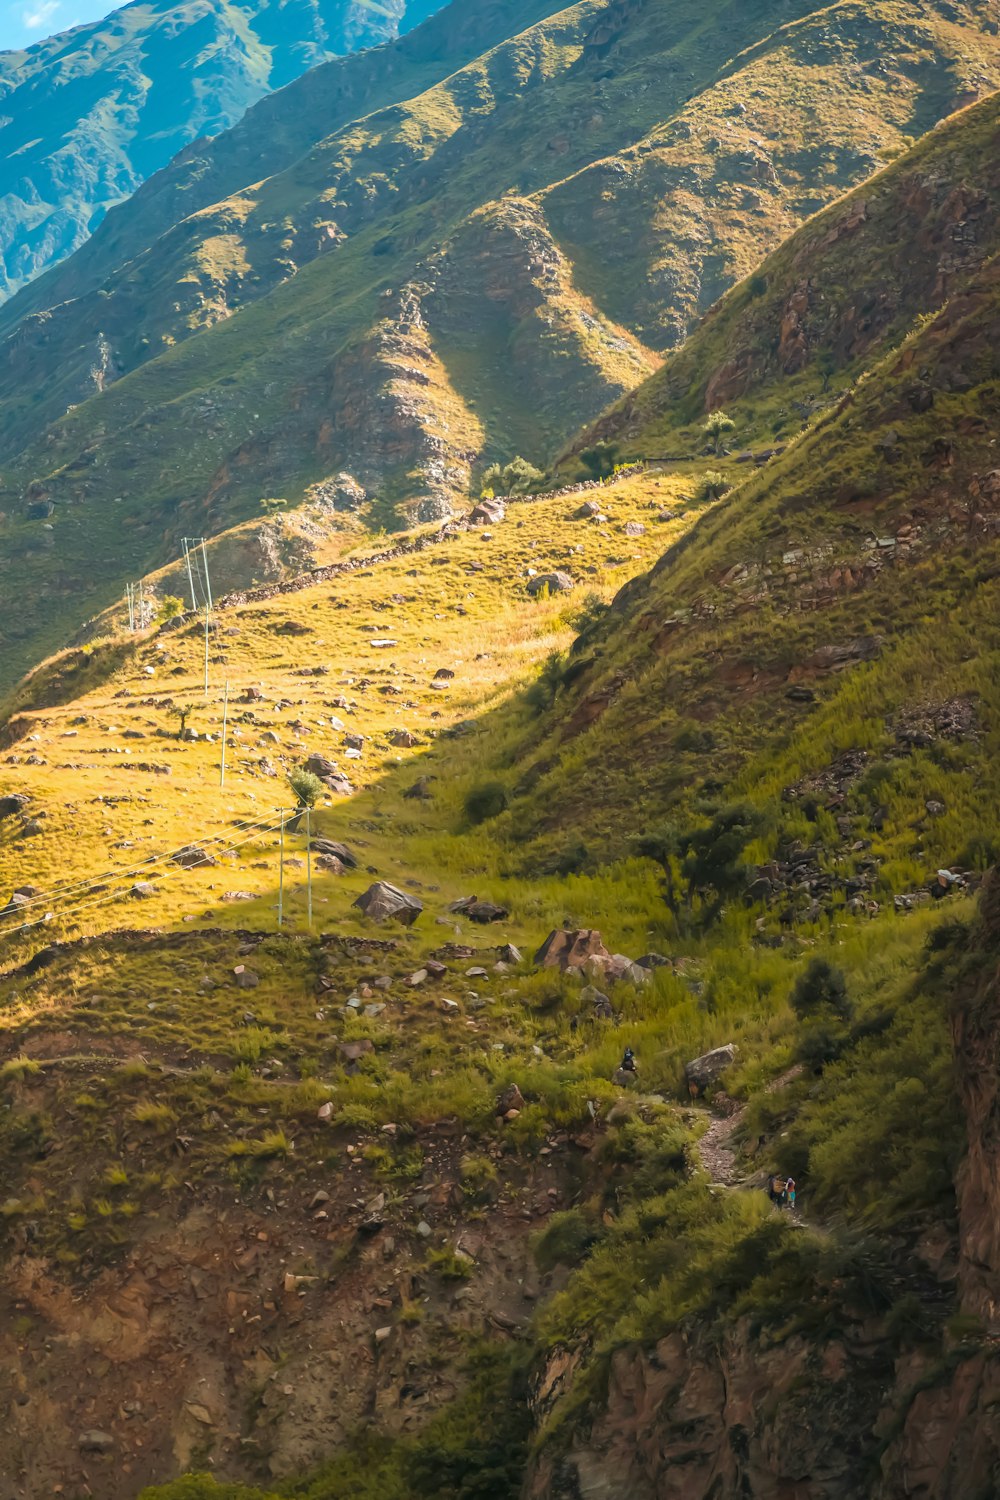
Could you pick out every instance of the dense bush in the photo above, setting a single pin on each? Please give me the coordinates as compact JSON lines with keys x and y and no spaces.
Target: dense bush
{"x":487,"y":800}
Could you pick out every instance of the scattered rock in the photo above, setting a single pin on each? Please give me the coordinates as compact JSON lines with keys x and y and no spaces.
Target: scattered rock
{"x":339,"y":852}
{"x":143,"y":890}
{"x":325,"y":1111}
{"x":382,"y":902}
{"x":245,"y":978}
{"x":511,"y":1098}
{"x":94,"y":1441}
{"x":404,"y":739}
{"x":564,"y":949}
{"x":479,"y":911}
{"x":420,"y":791}
{"x":508,"y":954}
{"x":193,"y":858}
{"x":10,"y":806}
{"x":556,"y":583}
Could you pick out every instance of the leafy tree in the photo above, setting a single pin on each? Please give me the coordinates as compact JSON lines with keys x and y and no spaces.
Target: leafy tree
{"x":307,"y":788}
{"x":509,"y":479}
{"x":663,"y":845}
{"x":717,"y":424}
{"x":712,"y":852}
{"x":170,"y":607}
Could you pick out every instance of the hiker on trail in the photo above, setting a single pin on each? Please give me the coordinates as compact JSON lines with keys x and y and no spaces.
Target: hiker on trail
{"x":788,"y":1196}
{"x":775,"y":1189}
{"x":628,"y":1062}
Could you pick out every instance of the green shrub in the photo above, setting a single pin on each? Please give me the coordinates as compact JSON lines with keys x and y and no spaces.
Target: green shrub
{"x":487,"y":800}
{"x":564,"y":1240}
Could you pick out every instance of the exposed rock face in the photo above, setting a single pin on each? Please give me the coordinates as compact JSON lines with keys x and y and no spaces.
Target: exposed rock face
{"x":382,"y":902}
{"x":488,"y":513}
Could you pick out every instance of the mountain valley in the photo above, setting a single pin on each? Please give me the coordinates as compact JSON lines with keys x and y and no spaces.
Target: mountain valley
{"x":499,"y":943}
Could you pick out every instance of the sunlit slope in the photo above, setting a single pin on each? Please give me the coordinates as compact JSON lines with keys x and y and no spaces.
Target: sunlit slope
{"x":414,"y":293}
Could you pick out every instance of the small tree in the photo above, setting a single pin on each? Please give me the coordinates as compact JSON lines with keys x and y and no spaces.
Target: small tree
{"x":307,"y":788}
{"x":712,"y":853}
{"x":181,"y":714}
{"x":170,"y":607}
{"x":717,"y":424}
{"x":712,"y":486}
{"x":662,"y":844}
{"x":820,"y":993}
{"x":509,"y":479}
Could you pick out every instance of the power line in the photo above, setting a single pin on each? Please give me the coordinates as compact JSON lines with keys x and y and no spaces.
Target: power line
{"x":62,"y":916}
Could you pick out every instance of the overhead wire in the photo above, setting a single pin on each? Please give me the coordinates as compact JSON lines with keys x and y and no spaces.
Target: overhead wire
{"x":61,"y":916}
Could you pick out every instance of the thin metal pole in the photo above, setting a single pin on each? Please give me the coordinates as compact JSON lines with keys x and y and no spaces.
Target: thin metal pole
{"x":204,"y":559}
{"x":187,"y":559}
{"x":225,"y":714}
{"x":141,"y":617}
{"x":207,"y":618}
{"x":281,"y":869}
{"x":309,"y":872}
{"x":131,"y":606}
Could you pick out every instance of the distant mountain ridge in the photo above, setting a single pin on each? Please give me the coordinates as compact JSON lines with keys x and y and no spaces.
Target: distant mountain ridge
{"x":89,"y":114}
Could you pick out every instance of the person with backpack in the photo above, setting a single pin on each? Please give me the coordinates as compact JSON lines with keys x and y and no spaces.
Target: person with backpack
{"x":628,"y":1062}
{"x":788,"y":1197}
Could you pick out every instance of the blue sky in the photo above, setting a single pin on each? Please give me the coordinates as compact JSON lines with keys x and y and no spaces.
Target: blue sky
{"x":30,"y":20}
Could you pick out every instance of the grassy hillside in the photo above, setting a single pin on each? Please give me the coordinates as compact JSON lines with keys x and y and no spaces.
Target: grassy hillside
{"x":90,"y":113}
{"x":751,"y":764}
{"x":412,"y":295}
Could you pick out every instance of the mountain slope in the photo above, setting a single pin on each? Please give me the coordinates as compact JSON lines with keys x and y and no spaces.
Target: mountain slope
{"x":278,"y":1186}
{"x":88,"y":114}
{"x":419,"y":273}
{"x":779,"y":347}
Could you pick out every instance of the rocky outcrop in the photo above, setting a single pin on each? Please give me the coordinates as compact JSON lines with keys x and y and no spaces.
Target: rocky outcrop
{"x":384,"y":902}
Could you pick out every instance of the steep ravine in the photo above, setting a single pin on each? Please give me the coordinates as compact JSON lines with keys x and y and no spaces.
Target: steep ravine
{"x":715,"y":1414}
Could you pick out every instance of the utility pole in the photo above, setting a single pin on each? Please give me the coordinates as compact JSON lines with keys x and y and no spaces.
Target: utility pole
{"x":141,"y":612}
{"x":309,"y":872}
{"x":208,"y":585}
{"x":225,"y":714}
{"x":281,"y":869}
{"x":186,"y":550}
{"x":208,"y":619}
{"x":130,"y":601}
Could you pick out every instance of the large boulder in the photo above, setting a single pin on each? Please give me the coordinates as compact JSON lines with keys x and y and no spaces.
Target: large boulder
{"x":13,"y":804}
{"x":479,"y":911}
{"x":578,"y":949}
{"x":329,"y":775}
{"x":556,"y":583}
{"x":333,"y":850}
{"x":384,"y":902}
{"x":622,"y":968}
{"x":702,"y":1072}
{"x":488,"y":513}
